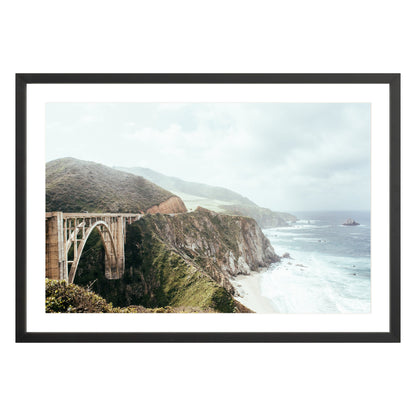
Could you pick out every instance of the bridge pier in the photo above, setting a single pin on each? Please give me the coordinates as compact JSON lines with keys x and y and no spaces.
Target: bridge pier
{"x":55,"y":249}
{"x":112,"y":270}
{"x":120,"y":240}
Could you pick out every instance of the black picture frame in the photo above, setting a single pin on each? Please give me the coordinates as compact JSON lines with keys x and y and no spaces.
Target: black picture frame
{"x":22,"y":80}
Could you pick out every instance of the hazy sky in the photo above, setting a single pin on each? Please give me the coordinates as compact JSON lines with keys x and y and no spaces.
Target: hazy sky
{"x":288,"y":157}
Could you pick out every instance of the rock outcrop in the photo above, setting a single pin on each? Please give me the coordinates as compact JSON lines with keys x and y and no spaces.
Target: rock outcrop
{"x":173,"y":205}
{"x":350,"y":221}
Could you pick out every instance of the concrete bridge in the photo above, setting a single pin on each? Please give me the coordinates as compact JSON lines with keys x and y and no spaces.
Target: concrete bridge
{"x":71,"y":230}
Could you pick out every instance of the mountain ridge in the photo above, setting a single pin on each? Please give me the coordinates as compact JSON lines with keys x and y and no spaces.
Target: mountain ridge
{"x":218,"y":199}
{"x":193,"y":188}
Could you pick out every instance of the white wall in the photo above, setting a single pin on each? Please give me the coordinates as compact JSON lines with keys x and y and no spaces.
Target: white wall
{"x":214,"y":36}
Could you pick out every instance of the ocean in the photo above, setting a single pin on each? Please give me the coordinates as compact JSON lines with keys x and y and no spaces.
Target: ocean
{"x":328,"y":270}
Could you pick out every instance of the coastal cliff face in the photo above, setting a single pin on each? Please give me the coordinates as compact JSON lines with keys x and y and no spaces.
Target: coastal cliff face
{"x":173,"y":205}
{"x":222,"y":245}
{"x":205,"y":246}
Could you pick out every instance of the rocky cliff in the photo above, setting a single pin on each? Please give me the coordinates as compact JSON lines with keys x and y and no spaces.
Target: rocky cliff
{"x":221,"y":245}
{"x":173,"y":205}
{"x":189,"y":259}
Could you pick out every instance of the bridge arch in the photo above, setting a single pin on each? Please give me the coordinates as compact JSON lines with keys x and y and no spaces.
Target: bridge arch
{"x":107,"y":238}
{"x":62,"y":231}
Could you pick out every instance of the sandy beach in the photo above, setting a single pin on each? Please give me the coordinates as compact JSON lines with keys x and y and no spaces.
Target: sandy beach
{"x":248,"y":287}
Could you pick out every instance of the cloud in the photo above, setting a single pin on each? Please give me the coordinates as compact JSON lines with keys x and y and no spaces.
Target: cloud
{"x":284,"y":156}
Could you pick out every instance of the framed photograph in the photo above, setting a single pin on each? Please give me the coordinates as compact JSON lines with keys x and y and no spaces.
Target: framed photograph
{"x":208,"y":207}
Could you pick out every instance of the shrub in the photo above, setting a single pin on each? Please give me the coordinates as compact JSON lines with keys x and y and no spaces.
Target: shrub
{"x":64,"y":298}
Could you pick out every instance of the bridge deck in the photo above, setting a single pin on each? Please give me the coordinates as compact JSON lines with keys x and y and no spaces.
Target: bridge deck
{"x":94,"y":214}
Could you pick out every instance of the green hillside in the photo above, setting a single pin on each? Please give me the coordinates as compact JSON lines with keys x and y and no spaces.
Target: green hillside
{"x":74,"y":185}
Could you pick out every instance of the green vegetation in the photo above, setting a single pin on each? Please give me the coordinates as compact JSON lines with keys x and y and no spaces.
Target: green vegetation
{"x":74,"y":186}
{"x":91,"y":265}
{"x":168,"y":278}
{"x":64,"y":298}
{"x":156,"y":275}
{"x":61,"y":298}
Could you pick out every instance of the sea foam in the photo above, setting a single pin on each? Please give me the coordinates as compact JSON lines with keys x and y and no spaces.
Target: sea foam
{"x":328,"y":270}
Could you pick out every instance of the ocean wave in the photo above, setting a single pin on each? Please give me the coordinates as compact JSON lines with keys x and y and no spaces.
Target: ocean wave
{"x":311,"y":283}
{"x":309,"y":239}
{"x":328,"y":270}
{"x":302,"y":221}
